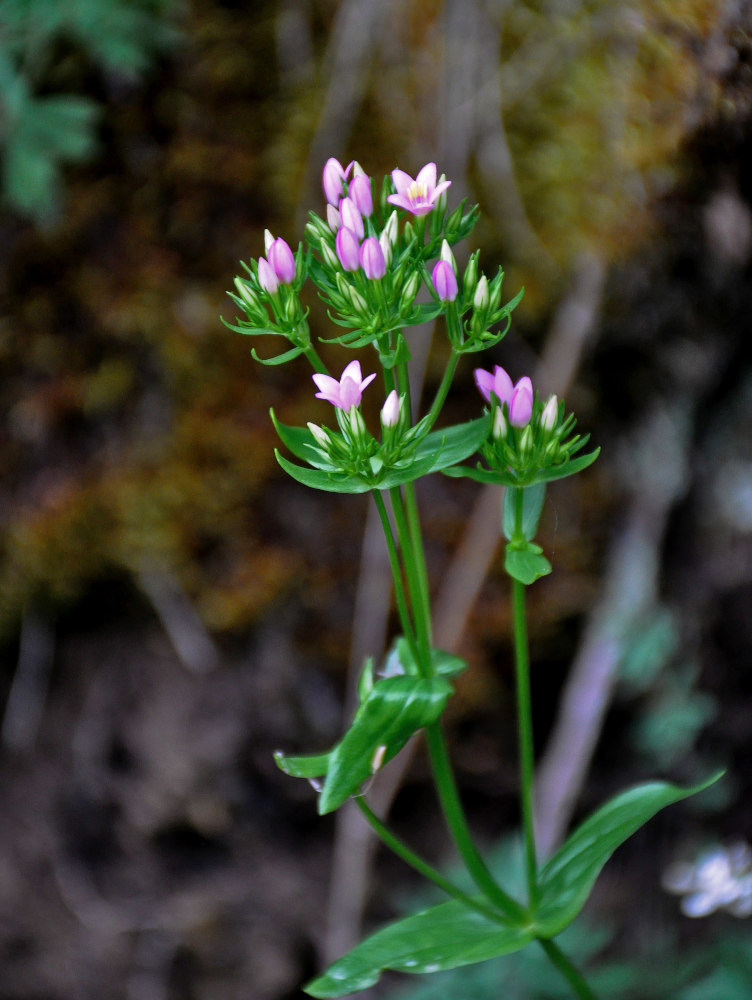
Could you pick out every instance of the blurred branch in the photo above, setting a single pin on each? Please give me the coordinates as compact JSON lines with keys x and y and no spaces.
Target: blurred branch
{"x":185,"y":630}
{"x":28,"y":691}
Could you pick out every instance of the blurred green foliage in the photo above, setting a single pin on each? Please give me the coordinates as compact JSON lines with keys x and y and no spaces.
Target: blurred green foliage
{"x":42,"y":126}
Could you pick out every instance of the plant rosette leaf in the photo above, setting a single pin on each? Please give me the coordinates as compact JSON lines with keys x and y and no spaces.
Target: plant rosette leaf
{"x":567,"y":878}
{"x":443,"y":937}
{"x":382,"y":470}
{"x":392,"y":711}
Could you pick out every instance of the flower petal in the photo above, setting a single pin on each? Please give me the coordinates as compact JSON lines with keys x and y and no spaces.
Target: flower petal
{"x":402,"y":181}
{"x":427,"y":176}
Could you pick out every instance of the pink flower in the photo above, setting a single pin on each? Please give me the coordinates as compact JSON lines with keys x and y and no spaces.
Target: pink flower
{"x":444,"y":281}
{"x":282,"y":261}
{"x":360,"y":192}
{"x":348,"y":391}
{"x":266,"y":276}
{"x":521,"y":403}
{"x":332,"y":179}
{"x":347,"y":247}
{"x":418,"y":196}
{"x":372,"y":258}
{"x":499,"y":383}
{"x":519,"y":397}
{"x":351,"y":217}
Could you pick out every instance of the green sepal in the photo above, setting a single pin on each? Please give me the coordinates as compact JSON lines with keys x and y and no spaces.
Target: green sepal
{"x":442,"y":937}
{"x":533,"y":498}
{"x":567,"y":878}
{"x":396,"y":708}
{"x":526,"y":564}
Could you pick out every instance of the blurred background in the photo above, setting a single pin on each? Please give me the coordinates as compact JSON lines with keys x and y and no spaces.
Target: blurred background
{"x":173,"y":609}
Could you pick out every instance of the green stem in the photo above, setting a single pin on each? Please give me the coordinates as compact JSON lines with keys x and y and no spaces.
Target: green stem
{"x":524,"y":721}
{"x":572,"y":975}
{"x":422,"y":867}
{"x":441,"y":392}
{"x":455,"y":817}
{"x":399,"y":586}
{"x":421,"y":618}
{"x":315,"y":361}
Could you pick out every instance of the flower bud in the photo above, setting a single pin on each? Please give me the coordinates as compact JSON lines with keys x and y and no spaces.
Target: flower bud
{"x":360,"y":192}
{"x":481,"y":297}
{"x":319,"y":434}
{"x":392,"y":228}
{"x":332,"y":179}
{"x":282,"y":261}
{"x":348,"y":249}
{"x":351,"y":217}
{"x":372,"y":258}
{"x":333,"y":218}
{"x":499,"y":426}
{"x":266,"y":276}
{"x":390,"y":411}
{"x":410,"y":290}
{"x":444,"y":281}
{"x":329,"y":256}
{"x":526,"y":442}
{"x":550,"y":415}
{"x":440,"y":205}
{"x":521,"y":403}
{"x":448,"y":256}
{"x":247,"y":294}
{"x":471,"y":275}
{"x":357,"y":424}
{"x":268,"y":240}
{"x":386,"y":248}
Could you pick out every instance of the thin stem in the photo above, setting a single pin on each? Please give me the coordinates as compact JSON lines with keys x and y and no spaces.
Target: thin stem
{"x":399,"y":586}
{"x":525,"y":736}
{"x":455,"y":817}
{"x":315,"y":361}
{"x":572,"y":975}
{"x":441,"y":392}
{"x":422,"y":867}
{"x":421,"y":618}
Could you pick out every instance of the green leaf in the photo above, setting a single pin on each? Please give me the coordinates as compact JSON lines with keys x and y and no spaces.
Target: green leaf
{"x":395,"y":709}
{"x":317,"y":479}
{"x":453,"y":444}
{"x":526,"y":565}
{"x":567,"y":878}
{"x":533,"y":498}
{"x":443,"y":663}
{"x":301,"y":443}
{"x":505,"y":477}
{"x":310,"y":766}
{"x":443,"y":937}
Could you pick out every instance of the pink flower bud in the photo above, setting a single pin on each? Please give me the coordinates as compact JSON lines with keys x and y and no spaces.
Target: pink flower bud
{"x":360,"y":192}
{"x":266,"y":276}
{"x":499,"y":383}
{"x":347,"y":249}
{"x":332,"y":179}
{"x":282,"y":261}
{"x":444,"y":281}
{"x":390,"y":411}
{"x":521,"y":403}
{"x":372,"y":258}
{"x":351,"y":217}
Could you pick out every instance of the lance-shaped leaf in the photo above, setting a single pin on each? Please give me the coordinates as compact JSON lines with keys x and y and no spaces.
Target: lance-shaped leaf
{"x":505,"y":477}
{"x":567,"y":878}
{"x":443,"y":937}
{"x":395,"y":708}
{"x":453,"y":444}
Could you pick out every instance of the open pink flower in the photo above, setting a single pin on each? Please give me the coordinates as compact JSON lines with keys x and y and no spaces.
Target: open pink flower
{"x":418,"y":196}
{"x":346,"y":392}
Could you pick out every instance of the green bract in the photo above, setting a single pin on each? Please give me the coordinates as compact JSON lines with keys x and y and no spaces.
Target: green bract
{"x":367,"y":465}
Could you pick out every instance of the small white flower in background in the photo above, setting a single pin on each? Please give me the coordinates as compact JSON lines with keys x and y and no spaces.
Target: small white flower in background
{"x":720,"y":879}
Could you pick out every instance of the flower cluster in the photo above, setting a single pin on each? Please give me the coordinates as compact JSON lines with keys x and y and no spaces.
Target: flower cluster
{"x":530,"y":441}
{"x":720,"y":879}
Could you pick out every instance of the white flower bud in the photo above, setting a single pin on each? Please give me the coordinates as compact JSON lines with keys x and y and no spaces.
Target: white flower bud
{"x":329,"y":256}
{"x":333,"y":218}
{"x":392,"y":228}
{"x":448,"y":256}
{"x":268,"y":240}
{"x":550,"y":414}
{"x":481,"y":297}
{"x":499,"y":428}
{"x":319,"y":434}
{"x":386,"y":248}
